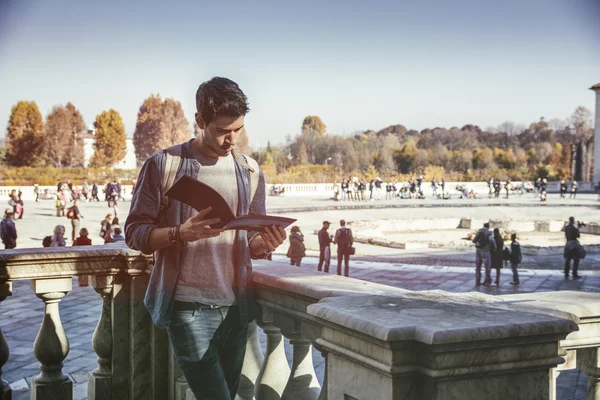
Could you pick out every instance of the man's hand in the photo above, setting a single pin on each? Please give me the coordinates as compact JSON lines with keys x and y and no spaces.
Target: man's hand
{"x":268,"y":240}
{"x":197,"y":227}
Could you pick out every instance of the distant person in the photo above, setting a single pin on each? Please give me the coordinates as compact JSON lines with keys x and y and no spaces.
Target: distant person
{"x":36,"y":192}
{"x":497,"y":256}
{"x":443,"y":186}
{"x":378,"y":188}
{"x":484,"y":243}
{"x":105,"y":230}
{"x":324,"y":248}
{"x":434,"y":187}
{"x":13,"y":201}
{"x":117,"y":237}
{"x":515,"y":258}
{"x":58,"y":239}
{"x":563,"y":189}
{"x":116,"y":206}
{"x":574,"y":188}
{"x":344,"y":240}
{"x":507,"y":187}
{"x":85,"y":191}
{"x":296,"y":251}
{"x":371,"y":188}
{"x":8,"y":230}
{"x":572,"y":249}
{"x":83,"y":240}
{"x":95,"y":191}
{"x":75,"y":216}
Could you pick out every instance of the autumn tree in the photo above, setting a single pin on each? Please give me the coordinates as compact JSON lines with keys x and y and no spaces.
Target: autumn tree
{"x":24,"y":136}
{"x":111,"y":143}
{"x":160,"y":124}
{"x":581,"y":120}
{"x":312,"y":125}
{"x":63,"y":145}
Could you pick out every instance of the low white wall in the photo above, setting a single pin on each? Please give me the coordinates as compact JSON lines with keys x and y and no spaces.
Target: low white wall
{"x":326,"y":189}
{"x":28,"y":193}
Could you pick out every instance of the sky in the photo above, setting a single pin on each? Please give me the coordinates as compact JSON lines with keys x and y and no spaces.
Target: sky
{"x":357,"y":64}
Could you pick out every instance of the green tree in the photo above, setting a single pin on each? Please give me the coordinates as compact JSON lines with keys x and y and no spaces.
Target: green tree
{"x":24,"y":136}
{"x":111,"y":142}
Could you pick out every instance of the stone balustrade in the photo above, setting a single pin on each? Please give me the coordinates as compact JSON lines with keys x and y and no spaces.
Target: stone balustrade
{"x":378,"y":342}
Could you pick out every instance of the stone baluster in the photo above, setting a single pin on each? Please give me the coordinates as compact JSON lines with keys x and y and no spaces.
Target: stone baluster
{"x":100,"y":380}
{"x":51,"y":344}
{"x":323,"y":394}
{"x":588,"y":361}
{"x":253,"y":361}
{"x":275,"y":370}
{"x":302,"y":383}
{"x":5,"y":390}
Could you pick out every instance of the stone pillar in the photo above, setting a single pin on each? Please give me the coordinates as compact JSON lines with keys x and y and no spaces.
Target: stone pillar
{"x":120,"y":316}
{"x":588,"y":361}
{"x":596,"y":88}
{"x":253,"y":362}
{"x":302,"y":383}
{"x":275,"y":370}
{"x":51,"y":345}
{"x":5,"y":390}
{"x":100,"y":380}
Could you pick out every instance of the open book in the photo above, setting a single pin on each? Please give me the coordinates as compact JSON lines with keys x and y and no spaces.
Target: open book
{"x":200,"y":196}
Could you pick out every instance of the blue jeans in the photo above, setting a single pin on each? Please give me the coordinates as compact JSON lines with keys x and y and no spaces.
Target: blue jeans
{"x":482,"y":256}
{"x":209,"y":345}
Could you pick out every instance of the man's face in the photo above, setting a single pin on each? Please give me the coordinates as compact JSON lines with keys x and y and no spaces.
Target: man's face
{"x":220,"y":135}
{"x":326,"y":226}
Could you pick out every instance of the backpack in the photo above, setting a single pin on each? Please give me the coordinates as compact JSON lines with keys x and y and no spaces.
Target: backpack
{"x":343,"y":240}
{"x":47,"y":241}
{"x":3,"y":234}
{"x":481,"y":240}
{"x":506,"y":254}
{"x":70,"y":212}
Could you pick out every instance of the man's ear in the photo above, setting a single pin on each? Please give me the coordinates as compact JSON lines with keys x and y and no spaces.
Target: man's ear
{"x":199,"y":121}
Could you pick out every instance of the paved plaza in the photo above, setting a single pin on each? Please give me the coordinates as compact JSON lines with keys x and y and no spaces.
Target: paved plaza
{"x":433,"y":269}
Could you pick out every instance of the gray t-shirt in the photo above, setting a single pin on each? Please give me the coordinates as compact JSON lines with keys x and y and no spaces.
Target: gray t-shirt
{"x":207,"y":272}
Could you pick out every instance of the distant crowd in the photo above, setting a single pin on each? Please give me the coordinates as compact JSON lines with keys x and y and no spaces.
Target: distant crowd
{"x":356,"y":189}
{"x":68,"y":199}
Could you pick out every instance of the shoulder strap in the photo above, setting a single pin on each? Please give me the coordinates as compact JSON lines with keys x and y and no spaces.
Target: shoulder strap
{"x":172,"y":162}
{"x":253,"y":172}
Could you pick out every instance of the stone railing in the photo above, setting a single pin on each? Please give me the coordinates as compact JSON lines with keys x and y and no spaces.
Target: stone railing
{"x":378,"y":342}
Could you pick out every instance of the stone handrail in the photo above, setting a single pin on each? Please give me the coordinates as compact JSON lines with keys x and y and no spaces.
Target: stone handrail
{"x":379,"y":342}
{"x":382,"y":343}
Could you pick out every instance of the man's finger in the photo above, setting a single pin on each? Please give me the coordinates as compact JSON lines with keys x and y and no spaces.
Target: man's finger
{"x":209,"y":221}
{"x":202,"y":214}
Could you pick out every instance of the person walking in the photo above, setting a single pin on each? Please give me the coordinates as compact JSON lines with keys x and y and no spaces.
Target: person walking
{"x":484,"y":243}
{"x":574,"y":188}
{"x":344,"y":240}
{"x":198,"y":288}
{"x":324,"y":248}
{"x":434,"y":188}
{"x":515,"y":258}
{"x":95,"y":191}
{"x":563,"y":189}
{"x":497,"y":256}
{"x":83,"y":240}
{"x":8,"y":230}
{"x":572,"y":249}
{"x":296,"y":251}
{"x":58,"y":239}
{"x":36,"y":191}
{"x":75,"y":216}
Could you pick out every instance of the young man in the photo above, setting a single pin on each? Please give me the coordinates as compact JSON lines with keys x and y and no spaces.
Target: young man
{"x":344,"y":240}
{"x":197,"y":290}
{"x":324,"y":247}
